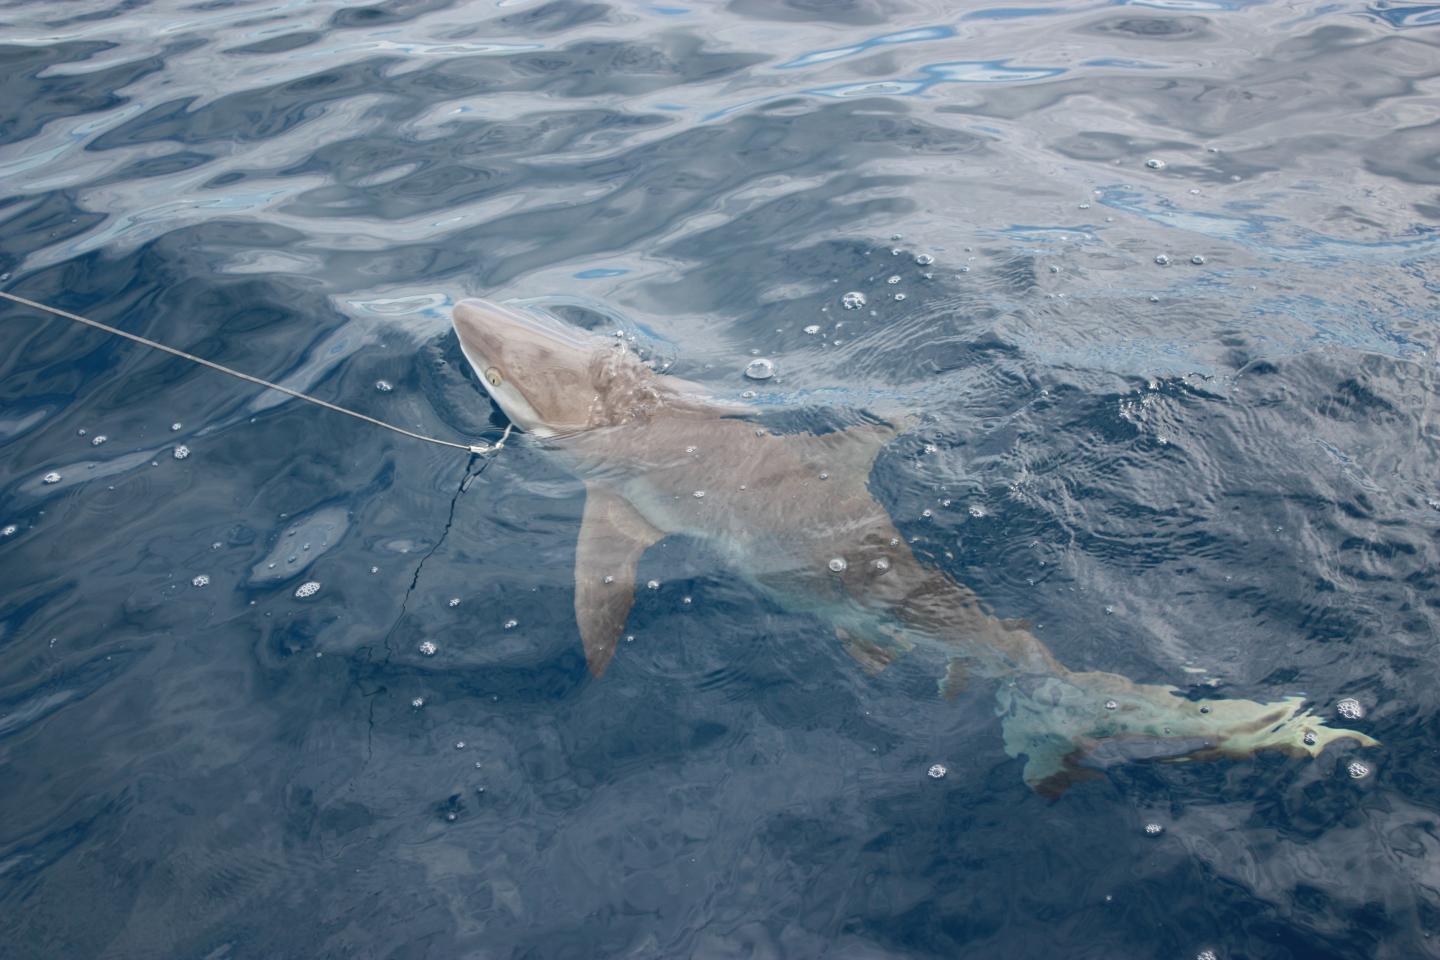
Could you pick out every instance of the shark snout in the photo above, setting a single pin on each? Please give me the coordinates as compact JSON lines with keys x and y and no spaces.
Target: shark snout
{"x":537,"y":369}
{"x":482,"y":329}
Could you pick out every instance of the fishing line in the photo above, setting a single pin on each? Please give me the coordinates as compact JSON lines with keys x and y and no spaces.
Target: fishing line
{"x":473,"y":448}
{"x":405,"y":602}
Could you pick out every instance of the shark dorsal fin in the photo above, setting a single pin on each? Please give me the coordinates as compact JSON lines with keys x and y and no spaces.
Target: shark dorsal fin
{"x":612,"y":538}
{"x":855,"y":448}
{"x":696,"y":398}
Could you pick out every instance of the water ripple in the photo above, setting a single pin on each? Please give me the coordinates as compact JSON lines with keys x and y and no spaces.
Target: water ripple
{"x":1152,"y":283}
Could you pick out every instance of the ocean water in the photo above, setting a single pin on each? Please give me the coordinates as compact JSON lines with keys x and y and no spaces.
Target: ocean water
{"x":1168,"y":328}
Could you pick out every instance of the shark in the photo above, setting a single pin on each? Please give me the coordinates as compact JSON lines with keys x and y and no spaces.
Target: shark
{"x":793,"y":513}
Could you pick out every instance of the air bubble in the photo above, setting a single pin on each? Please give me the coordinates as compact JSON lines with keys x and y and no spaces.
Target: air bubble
{"x":1358,"y":770}
{"x":511,"y":624}
{"x":418,"y":702}
{"x":931,"y":448}
{"x":837,"y":564}
{"x":1155,"y":164}
{"x":893,"y":280}
{"x":813,"y":329}
{"x":1198,"y":260}
{"x":307,"y":589}
{"x":181,"y":452}
{"x":924,"y":260}
{"x":428,"y":648}
{"x":1350,"y":709}
{"x":51,"y":477}
{"x":977,"y":511}
{"x":899,"y":296}
{"x":1310,"y":738}
{"x":175,"y":426}
{"x":936,"y":771}
{"x":9,"y":530}
{"x":853,"y":300}
{"x":653,"y":584}
{"x":760,"y":369}
{"x":698,"y":494}
{"x":200,"y":581}
{"x":454,"y":601}
{"x":1111,"y":705}
{"x":687,"y":600}
{"x":881,"y":565}
{"x":459,"y":744}
{"x":607,"y":579}
{"x":1153,"y":829}
{"x":1162,"y":260}
{"x":384,"y":386}
{"x":372,"y":569}
{"x":98,"y":439}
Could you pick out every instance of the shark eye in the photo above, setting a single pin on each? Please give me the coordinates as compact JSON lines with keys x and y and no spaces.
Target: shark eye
{"x":492,"y":377}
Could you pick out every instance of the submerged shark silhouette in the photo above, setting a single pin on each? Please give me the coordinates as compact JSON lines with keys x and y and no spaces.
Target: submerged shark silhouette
{"x":659,"y":456}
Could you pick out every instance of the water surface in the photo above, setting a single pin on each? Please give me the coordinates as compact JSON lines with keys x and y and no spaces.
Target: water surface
{"x":1215,"y":469}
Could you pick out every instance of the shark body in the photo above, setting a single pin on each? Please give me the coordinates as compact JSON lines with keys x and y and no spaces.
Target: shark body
{"x":794,"y":514}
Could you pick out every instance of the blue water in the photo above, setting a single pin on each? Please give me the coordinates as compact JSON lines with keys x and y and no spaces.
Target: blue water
{"x":1220,"y":474}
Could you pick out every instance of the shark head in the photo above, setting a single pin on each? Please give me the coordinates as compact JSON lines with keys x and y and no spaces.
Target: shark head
{"x":554,"y":379}
{"x":538,"y":370}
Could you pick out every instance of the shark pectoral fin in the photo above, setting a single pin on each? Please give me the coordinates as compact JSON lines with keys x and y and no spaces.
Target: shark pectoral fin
{"x":957,"y":676}
{"x":873,"y":655}
{"x":1038,"y":726}
{"x":612,"y":538}
{"x":1050,"y":770}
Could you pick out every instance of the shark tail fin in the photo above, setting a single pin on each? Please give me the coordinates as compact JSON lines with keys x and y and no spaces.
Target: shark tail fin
{"x":1069,"y":728}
